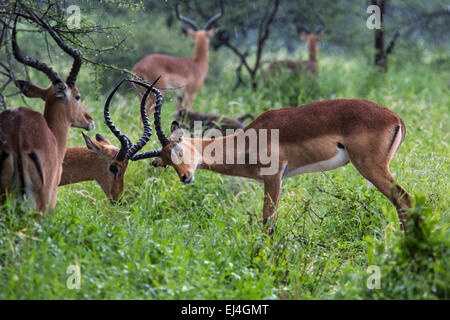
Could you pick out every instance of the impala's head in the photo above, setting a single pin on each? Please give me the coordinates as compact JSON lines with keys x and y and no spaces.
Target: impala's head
{"x":199,"y":34}
{"x":312,"y":38}
{"x":62,"y":97}
{"x":179,"y":154}
{"x":195,"y":31}
{"x":111,"y":172}
{"x":176,"y":151}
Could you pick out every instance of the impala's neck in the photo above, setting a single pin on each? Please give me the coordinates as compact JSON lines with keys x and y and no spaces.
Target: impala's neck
{"x":59,"y":124}
{"x":312,"y":52}
{"x":201,"y":53}
{"x":225,"y":155}
{"x":80,"y":164}
{"x":312,"y":56}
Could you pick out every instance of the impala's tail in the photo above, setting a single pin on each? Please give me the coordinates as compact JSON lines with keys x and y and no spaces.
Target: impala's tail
{"x":21,"y":172}
{"x":397,"y":139}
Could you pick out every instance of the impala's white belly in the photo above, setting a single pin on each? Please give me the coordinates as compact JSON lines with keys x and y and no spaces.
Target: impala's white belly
{"x":339,"y":160}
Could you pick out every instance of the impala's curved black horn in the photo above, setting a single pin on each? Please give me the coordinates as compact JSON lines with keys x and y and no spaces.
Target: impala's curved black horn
{"x":75,"y":54}
{"x":48,"y":71}
{"x":186,"y":19}
{"x":147,"y":127}
{"x":211,"y":21}
{"x":125,"y":142}
{"x":157,"y":114}
{"x":301,"y":29}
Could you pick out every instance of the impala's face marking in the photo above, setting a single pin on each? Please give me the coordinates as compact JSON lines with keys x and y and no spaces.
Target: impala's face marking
{"x":78,"y":114}
{"x":110,"y":171}
{"x":312,"y":40}
{"x":59,"y":96}
{"x":179,"y":154}
{"x":199,"y":34}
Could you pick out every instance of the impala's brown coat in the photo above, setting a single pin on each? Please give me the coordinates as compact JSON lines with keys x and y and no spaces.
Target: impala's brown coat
{"x":94,"y":163}
{"x":25,"y":132}
{"x":312,"y":45}
{"x":185,"y":74}
{"x":360,"y":131}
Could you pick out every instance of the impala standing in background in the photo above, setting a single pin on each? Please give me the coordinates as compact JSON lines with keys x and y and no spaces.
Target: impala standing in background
{"x":185,"y":74}
{"x":319,"y":136}
{"x":100,"y":160}
{"x":312,"y":45}
{"x":32,"y":145}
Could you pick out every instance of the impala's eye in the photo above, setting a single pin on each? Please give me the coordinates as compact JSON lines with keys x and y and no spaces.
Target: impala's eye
{"x":77,"y":97}
{"x":115,"y":170}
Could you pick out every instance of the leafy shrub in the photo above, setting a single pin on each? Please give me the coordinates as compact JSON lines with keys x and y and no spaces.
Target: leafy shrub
{"x":292,"y":88}
{"x":412,"y":266}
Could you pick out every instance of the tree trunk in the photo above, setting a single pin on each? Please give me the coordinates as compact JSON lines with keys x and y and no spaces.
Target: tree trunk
{"x":380,"y":53}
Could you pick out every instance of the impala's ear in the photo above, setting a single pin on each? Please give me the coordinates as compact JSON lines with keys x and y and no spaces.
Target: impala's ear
{"x":99,"y":137}
{"x":31,"y":90}
{"x":157,"y":162}
{"x":189,"y":32}
{"x":102,"y":139}
{"x":177,"y":132}
{"x":92,"y":145}
{"x":174,"y":126}
{"x":211,"y":32}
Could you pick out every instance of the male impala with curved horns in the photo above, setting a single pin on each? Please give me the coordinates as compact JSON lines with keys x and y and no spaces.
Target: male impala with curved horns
{"x":185,"y":74}
{"x":32,"y":145}
{"x":319,"y":136}
{"x":100,"y":160}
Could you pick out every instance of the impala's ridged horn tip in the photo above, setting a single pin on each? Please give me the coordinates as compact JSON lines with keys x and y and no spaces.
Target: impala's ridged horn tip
{"x":125,"y":142}
{"x":216,"y":17}
{"x":145,"y":121}
{"x":157,"y":115}
{"x":34,"y":63}
{"x":75,"y":54}
{"x":185,"y":19}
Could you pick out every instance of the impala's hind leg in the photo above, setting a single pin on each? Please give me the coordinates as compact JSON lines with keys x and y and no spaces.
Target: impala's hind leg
{"x":374,"y":166}
{"x":382,"y":179}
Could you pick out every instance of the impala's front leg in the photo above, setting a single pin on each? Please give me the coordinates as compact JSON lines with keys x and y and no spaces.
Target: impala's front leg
{"x":272,"y":191}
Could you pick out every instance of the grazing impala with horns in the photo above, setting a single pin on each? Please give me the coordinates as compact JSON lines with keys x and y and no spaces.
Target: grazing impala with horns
{"x":316,"y":137}
{"x":32,"y":145}
{"x":100,"y":160}
{"x":185,"y":74}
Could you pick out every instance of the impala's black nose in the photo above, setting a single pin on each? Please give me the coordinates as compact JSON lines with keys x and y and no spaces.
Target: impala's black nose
{"x":185,"y":179}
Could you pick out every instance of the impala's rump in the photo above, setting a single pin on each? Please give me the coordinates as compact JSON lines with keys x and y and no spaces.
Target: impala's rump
{"x":20,"y":165}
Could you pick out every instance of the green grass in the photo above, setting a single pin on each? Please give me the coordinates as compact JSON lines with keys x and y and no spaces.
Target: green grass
{"x":175,"y":241}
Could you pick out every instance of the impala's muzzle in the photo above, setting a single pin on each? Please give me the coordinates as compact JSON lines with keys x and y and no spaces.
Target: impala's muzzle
{"x":187,"y":180}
